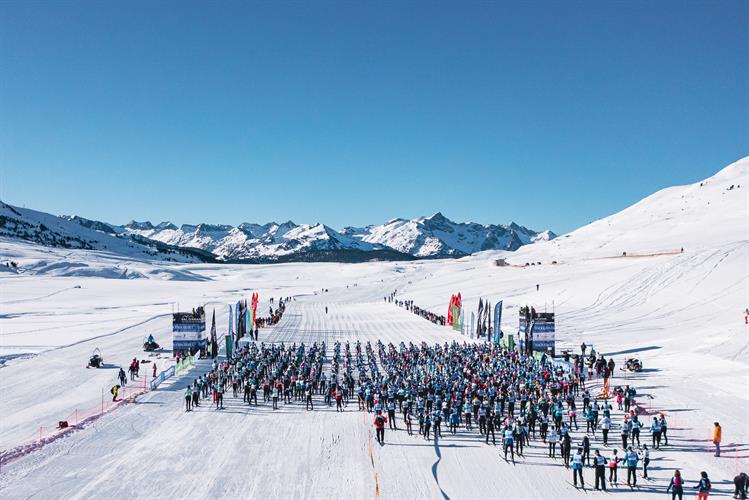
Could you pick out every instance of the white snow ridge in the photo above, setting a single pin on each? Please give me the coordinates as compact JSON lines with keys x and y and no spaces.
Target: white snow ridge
{"x":665,"y":280}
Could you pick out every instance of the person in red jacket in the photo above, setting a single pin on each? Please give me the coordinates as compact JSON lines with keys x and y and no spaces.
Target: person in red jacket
{"x":379,"y":422}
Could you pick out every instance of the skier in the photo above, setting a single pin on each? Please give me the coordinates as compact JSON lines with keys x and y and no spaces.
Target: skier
{"x":599,"y":462}
{"x":676,"y":487}
{"x":624,"y":434}
{"x":605,"y":427}
{"x":509,"y":443}
{"x":566,"y":449}
{"x":195,"y":394}
{"x":339,"y":401}
{"x":220,"y":397}
{"x":645,"y":461}
{"x":664,"y":430}
{"x":631,"y":458}
{"x":310,"y":405}
{"x":188,"y":399}
{"x":489,"y":428}
{"x":586,"y":450}
{"x":636,"y":430}
{"x":379,"y":423}
{"x":407,"y":419}
{"x":391,"y":414}
{"x":122,"y":377}
{"x":613,"y":466}
{"x":655,"y":430}
{"x":114,"y":390}
{"x":154,"y":371}
{"x":703,"y":487}
{"x":455,"y":421}
{"x":577,"y":468}
{"x":552,"y":439}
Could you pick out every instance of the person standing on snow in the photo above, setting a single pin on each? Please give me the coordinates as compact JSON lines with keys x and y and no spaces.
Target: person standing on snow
{"x":676,"y":487}
{"x":310,"y":405}
{"x":188,"y":399}
{"x":220,"y":397}
{"x":509,"y":443}
{"x":631,"y":458}
{"x":703,"y":487}
{"x":645,"y":461}
{"x":122,"y":377}
{"x":664,"y":429}
{"x":552,"y":438}
{"x":599,"y":462}
{"x":613,"y":466}
{"x":577,"y":468}
{"x":717,"y":436}
{"x":605,"y":427}
{"x":655,"y":430}
{"x":379,"y":423}
{"x":391,"y":414}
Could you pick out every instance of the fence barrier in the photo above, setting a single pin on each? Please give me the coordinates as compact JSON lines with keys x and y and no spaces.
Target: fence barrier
{"x":168,"y":373}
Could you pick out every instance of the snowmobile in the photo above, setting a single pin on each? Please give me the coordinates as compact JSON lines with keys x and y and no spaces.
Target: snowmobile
{"x":95,"y":361}
{"x":634,"y":365}
{"x":150,"y":345}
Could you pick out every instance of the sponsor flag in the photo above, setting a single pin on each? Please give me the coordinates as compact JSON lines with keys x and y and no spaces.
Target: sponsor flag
{"x":497,"y":322}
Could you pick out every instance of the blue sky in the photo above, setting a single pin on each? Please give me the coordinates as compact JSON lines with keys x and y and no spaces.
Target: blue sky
{"x":550,"y":114}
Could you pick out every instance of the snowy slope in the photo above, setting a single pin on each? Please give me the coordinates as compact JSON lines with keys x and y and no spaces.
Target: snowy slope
{"x":705,"y":214}
{"x":680,"y":313}
{"x":52,"y":231}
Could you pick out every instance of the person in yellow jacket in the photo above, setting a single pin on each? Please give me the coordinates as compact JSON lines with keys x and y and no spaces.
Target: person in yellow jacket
{"x":717,"y":435}
{"x":115,"y":389}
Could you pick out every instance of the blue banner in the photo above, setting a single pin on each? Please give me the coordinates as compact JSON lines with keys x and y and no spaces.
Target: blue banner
{"x":247,"y":321}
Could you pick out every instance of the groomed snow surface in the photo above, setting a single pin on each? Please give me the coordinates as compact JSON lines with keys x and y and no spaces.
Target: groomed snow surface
{"x":681,"y":313}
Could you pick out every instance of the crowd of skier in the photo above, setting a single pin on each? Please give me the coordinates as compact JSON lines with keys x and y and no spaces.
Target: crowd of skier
{"x":409,"y":305}
{"x":503,"y":397}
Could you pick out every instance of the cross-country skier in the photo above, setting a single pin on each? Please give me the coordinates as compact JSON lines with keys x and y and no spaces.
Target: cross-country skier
{"x":509,"y":443}
{"x":188,"y":399}
{"x":631,"y":458}
{"x":379,"y":423}
{"x":552,"y":439}
{"x":613,"y":467}
{"x":577,"y":468}
{"x":599,"y":462}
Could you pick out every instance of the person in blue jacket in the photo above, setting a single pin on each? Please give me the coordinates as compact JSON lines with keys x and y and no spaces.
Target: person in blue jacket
{"x":631,"y":458}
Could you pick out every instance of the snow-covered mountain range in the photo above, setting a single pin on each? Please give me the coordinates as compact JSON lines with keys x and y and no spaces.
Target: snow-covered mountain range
{"x":397,"y":239}
{"x":78,"y":233}
{"x":438,"y":236}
